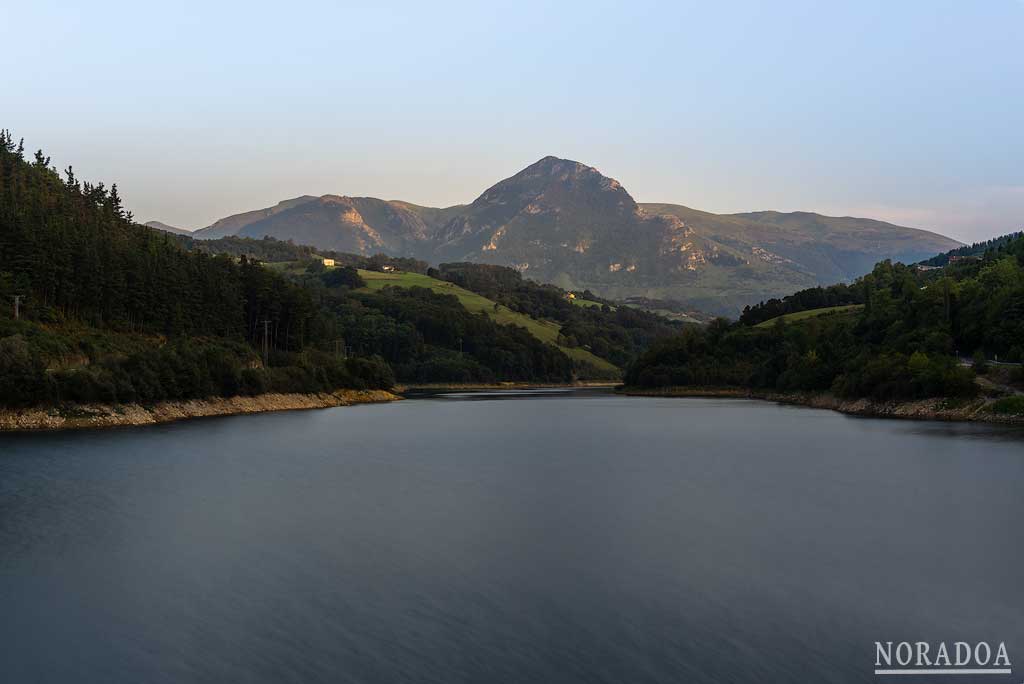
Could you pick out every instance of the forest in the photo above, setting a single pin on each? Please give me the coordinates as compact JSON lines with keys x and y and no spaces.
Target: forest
{"x":613,"y":332}
{"x":906,"y":341}
{"x":112,"y":311}
{"x":271,"y":250}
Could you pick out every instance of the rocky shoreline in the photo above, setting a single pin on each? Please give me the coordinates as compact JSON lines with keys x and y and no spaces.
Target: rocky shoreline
{"x":77,"y":416}
{"x":973,"y":410}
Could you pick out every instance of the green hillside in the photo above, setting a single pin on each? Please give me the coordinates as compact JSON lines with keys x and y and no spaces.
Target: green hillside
{"x":114,"y":312}
{"x":901,"y":337}
{"x":546,"y":331}
{"x":810,"y":313}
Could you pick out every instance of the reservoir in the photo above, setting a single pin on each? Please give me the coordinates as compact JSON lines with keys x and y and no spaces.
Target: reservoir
{"x":548,"y":536}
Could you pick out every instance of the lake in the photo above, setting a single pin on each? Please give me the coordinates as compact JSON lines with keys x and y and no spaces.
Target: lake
{"x":551,"y":536}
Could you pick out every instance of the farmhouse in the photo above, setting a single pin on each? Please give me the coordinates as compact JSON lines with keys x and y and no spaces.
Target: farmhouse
{"x":327,"y":262}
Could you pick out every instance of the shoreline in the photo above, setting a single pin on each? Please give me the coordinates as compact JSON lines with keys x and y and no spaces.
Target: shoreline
{"x":442,"y":386}
{"x":73,"y":416}
{"x":937,"y":408}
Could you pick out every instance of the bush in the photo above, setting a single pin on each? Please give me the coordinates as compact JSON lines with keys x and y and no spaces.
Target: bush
{"x":370,"y":373}
{"x":1008,"y":406}
{"x":22,"y":373}
{"x":346,"y":276}
{"x":253,"y":382}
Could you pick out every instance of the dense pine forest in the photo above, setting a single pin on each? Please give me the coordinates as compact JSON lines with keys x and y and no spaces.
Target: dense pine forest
{"x":905,"y":340}
{"x":111,"y":311}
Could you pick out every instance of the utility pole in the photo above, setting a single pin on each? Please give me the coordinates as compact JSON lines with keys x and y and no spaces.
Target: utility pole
{"x":266,"y":349}
{"x":17,"y":305}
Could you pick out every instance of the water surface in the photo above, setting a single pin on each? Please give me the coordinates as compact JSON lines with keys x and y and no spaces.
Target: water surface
{"x":489,"y":537}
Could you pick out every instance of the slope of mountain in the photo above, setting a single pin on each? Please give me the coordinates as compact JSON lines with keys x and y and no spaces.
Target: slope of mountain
{"x":831,"y":248}
{"x":231,"y":225}
{"x":433,"y":217}
{"x":562,"y":222}
{"x":364,"y":225}
{"x":157,"y":225}
{"x":351,"y":224}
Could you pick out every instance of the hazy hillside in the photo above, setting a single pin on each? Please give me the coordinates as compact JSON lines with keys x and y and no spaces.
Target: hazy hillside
{"x":231,"y":225}
{"x":829,"y":248}
{"x":157,"y":225}
{"x":563,"y":222}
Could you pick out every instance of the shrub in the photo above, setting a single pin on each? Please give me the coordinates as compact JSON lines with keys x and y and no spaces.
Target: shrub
{"x":370,"y":373}
{"x":22,"y":373}
{"x":1008,"y":406}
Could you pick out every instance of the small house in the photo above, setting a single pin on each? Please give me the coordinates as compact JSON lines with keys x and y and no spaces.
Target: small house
{"x":387,"y":268}
{"x":328,"y":262}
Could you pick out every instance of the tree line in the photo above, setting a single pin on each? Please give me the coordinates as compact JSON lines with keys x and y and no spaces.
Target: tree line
{"x":615,"y":333}
{"x":905,"y":342}
{"x":113,"y":311}
{"x":175,"y":323}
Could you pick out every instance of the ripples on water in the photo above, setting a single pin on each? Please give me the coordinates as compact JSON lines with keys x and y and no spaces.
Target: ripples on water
{"x":565,"y":537}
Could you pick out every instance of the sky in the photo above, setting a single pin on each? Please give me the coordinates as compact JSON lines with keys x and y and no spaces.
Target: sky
{"x":911,"y":112}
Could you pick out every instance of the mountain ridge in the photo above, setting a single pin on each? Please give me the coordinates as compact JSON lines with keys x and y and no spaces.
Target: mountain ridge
{"x":564,"y":222}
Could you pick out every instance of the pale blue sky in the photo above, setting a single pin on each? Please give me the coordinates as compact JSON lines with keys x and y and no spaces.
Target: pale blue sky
{"x":906,"y":111}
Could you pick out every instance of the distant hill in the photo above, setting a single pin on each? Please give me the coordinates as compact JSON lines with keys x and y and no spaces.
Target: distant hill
{"x":780,"y":250}
{"x":232,"y":225}
{"x":898,"y":333}
{"x":563,"y":222}
{"x":157,"y":225}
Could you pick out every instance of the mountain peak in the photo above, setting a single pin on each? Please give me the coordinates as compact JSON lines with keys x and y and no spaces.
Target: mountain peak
{"x":555,"y":165}
{"x":553,"y":178}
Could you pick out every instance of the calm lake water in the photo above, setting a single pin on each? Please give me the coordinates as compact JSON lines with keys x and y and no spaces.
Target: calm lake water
{"x":559,"y":537}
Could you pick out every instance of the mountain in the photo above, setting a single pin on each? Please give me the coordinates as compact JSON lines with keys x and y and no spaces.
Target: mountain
{"x":563,"y":222}
{"x":804,"y":247}
{"x":231,"y":225}
{"x":114,"y":312}
{"x":364,"y":225}
{"x":157,"y":225}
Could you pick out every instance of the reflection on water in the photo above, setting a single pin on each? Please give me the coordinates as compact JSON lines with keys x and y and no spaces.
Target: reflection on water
{"x":585,"y":537}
